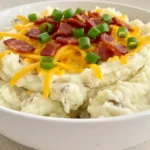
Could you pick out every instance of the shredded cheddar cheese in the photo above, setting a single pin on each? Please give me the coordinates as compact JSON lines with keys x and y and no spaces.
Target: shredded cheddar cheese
{"x":47,"y":79}
{"x":23,"y":18}
{"x":23,"y":72}
{"x":97,"y":71}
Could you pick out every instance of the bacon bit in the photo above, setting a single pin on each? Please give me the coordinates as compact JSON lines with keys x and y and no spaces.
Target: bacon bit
{"x":110,"y":30}
{"x":118,"y":22}
{"x":80,"y":18}
{"x":33,"y":33}
{"x":50,"y":49}
{"x":45,"y":19}
{"x":112,"y":45}
{"x":67,"y":40}
{"x":96,"y":20}
{"x":19,"y":45}
{"x":75,"y":22}
{"x":104,"y":52}
{"x":50,"y":20}
{"x":90,"y":23}
{"x":40,"y":21}
{"x":64,"y":29}
{"x":114,"y":102}
{"x":93,"y":14}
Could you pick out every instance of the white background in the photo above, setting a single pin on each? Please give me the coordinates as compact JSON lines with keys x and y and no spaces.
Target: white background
{"x":6,"y":144}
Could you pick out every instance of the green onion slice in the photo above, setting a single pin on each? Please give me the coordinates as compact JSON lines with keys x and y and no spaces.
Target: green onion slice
{"x":32,"y":17}
{"x":44,"y":37}
{"x":132,"y":42}
{"x":78,"y":10}
{"x":78,"y":32}
{"x":122,"y":32}
{"x":107,"y":18}
{"x":94,"y":32}
{"x":57,"y":15}
{"x":103,"y":27}
{"x":92,"y":58}
{"x":84,"y":43}
{"x":68,"y":13}
{"x":46,"y":27}
{"x":46,"y":62}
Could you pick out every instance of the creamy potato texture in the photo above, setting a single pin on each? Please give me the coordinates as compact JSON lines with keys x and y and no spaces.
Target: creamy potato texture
{"x":123,"y":90}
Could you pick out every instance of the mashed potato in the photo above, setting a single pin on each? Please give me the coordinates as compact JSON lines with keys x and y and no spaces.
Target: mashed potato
{"x":123,"y":90}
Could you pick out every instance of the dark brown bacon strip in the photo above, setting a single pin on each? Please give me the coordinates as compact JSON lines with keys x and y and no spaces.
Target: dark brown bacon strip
{"x":116,"y":48}
{"x":33,"y":33}
{"x":104,"y":52}
{"x":75,"y":22}
{"x":67,"y":40}
{"x":19,"y":45}
{"x":50,"y":49}
{"x":64,"y":30}
{"x":118,"y":22}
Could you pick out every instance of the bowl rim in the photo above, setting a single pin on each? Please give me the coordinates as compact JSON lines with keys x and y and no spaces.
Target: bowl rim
{"x":75,"y":120}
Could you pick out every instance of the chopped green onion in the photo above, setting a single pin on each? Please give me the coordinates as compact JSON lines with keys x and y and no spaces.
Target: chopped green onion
{"x":32,"y":17}
{"x":106,"y":18}
{"x":46,"y":62}
{"x":93,"y":32}
{"x":92,"y":58}
{"x":78,"y":10}
{"x":84,"y":43}
{"x":132,"y":42}
{"x":103,"y":27}
{"x":57,"y":15}
{"x":68,"y":13}
{"x":122,"y":32}
{"x":46,"y":27}
{"x":44,"y":37}
{"x":78,"y":32}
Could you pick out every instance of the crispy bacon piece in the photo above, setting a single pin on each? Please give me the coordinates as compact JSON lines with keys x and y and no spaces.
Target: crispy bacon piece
{"x":64,"y":30}
{"x":50,"y":20}
{"x":50,"y":49}
{"x":45,"y":19}
{"x":96,"y":20}
{"x":75,"y":22}
{"x":67,"y":40}
{"x":90,"y":23}
{"x":93,"y":14}
{"x":112,"y":45}
{"x":80,"y":18}
{"x":104,"y":52}
{"x":33,"y":33}
{"x":19,"y":45}
{"x":118,"y":22}
{"x":110,"y":30}
{"x":40,"y":21}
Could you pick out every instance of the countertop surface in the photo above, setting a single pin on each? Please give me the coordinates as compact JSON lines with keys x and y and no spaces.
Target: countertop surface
{"x":6,"y":144}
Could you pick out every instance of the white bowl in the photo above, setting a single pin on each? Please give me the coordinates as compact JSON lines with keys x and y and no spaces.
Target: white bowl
{"x":46,"y":133}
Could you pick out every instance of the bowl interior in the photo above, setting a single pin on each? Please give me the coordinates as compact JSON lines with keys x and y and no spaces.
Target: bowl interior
{"x":7,"y":15}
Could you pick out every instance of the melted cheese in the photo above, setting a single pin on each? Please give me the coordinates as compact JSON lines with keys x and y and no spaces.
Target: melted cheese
{"x":37,"y":57}
{"x":97,"y":71}
{"x":14,"y":35}
{"x":68,"y":67}
{"x":47,"y":79}
{"x":23,"y":72}
{"x":124,"y":59}
{"x":23,"y":18}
